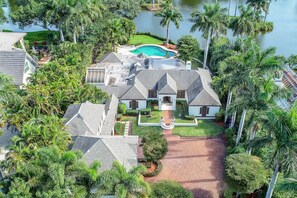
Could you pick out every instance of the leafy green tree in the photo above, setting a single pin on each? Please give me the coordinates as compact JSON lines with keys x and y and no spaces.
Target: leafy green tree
{"x":188,"y":48}
{"x":19,"y":188}
{"x":2,"y":16}
{"x":123,"y":8}
{"x":122,"y":108}
{"x":154,"y":146}
{"x":123,"y":183}
{"x":169,"y":14}
{"x":244,"y":23}
{"x":280,"y":138}
{"x":245,"y":173}
{"x":213,"y":21}
{"x":170,"y":189}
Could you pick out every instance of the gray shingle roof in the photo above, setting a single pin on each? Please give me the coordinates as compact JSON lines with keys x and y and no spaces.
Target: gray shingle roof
{"x":118,"y":91}
{"x":166,"y":85}
{"x":8,"y":39}
{"x":137,"y":91}
{"x":111,"y":108}
{"x":112,"y":58}
{"x":84,"y":119}
{"x":107,"y":149}
{"x":12,"y":63}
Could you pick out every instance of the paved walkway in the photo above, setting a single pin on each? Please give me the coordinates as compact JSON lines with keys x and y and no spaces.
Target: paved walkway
{"x":197,"y":164}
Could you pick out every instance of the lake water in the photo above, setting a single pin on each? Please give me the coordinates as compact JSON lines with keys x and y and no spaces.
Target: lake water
{"x":282,"y":12}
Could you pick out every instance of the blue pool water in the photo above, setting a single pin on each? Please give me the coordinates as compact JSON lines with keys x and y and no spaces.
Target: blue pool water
{"x":151,"y":50}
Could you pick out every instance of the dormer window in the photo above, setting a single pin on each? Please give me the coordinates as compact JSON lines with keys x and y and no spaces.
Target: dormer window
{"x":181,"y":94}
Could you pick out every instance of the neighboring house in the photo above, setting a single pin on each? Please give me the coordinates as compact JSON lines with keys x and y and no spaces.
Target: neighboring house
{"x":108,"y":149}
{"x":159,"y":79}
{"x":91,"y":119}
{"x":14,"y":61}
{"x":92,"y":128}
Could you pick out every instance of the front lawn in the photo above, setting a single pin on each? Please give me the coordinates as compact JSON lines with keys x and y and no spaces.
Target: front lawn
{"x":144,"y":39}
{"x":155,"y":117}
{"x":141,"y":130}
{"x":204,"y":128}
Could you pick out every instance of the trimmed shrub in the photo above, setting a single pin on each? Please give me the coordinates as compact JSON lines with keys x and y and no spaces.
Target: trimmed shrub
{"x":132,"y":112}
{"x":156,"y":172}
{"x":146,"y":111}
{"x":189,"y":117}
{"x":122,"y":108}
{"x":170,"y":189}
{"x":220,"y":115}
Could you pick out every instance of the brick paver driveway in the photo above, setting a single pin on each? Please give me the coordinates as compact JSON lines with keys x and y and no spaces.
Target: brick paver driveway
{"x":197,"y":164}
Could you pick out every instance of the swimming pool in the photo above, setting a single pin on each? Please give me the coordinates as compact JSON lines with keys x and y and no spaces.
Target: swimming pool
{"x":152,"y":50}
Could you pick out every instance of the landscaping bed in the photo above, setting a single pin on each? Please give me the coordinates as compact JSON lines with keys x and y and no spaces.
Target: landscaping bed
{"x":204,"y":128}
{"x":119,"y":128}
{"x":154,"y":169}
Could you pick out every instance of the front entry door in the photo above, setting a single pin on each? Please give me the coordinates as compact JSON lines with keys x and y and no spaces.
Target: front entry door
{"x":204,"y":111}
{"x":167,"y":99}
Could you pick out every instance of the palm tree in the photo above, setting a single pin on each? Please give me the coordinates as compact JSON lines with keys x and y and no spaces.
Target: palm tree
{"x":280,"y":136}
{"x":125,"y":183}
{"x":169,"y":14}
{"x":259,"y":6}
{"x":289,"y":184}
{"x":82,"y":14}
{"x":213,"y":21}
{"x":244,"y":23}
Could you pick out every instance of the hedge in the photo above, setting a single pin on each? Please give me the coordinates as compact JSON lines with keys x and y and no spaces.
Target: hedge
{"x":189,"y":117}
{"x":155,"y":36}
{"x":146,"y":111}
{"x":132,"y":112}
{"x":156,"y":172}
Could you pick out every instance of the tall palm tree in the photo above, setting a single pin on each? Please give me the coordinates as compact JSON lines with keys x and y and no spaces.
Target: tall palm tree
{"x":213,"y":21}
{"x":244,"y":23}
{"x":82,"y":14}
{"x":169,"y":14}
{"x":280,"y":137}
{"x":125,"y":183}
{"x":259,"y":6}
{"x":289,"y":184}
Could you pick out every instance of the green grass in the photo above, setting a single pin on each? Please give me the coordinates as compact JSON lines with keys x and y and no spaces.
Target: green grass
{"x":204,"y":128}
{"x":38,"y":36}
{"x":144,"y":39}
{"x":141,"y":130}
{"x":155,"y":117}
{"x":119,"y":128}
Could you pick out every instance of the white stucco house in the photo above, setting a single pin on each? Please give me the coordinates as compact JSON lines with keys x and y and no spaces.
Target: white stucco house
{"x":150,"y":80}
{"x":15,"y":61}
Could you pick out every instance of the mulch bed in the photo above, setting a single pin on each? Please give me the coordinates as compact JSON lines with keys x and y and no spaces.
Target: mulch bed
{"x":152,"y":168}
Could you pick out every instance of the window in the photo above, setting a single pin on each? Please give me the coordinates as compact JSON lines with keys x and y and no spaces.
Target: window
{"x":133,"y":104}
{"x":204,"y":111}
{"x":152,"y":94}
{"x":181,"y":94}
